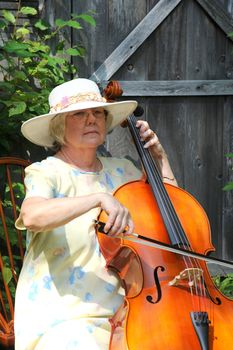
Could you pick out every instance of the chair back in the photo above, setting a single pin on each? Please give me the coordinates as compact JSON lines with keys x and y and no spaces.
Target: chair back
{"x":12,"y":241}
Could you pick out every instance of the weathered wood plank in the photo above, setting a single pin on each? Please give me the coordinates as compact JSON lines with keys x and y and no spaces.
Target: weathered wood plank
{"x":228,"y":5}
{"x":94,"y":39}
{"x":202,"y":158}
{"x":120,"y":25}
{"x":227,"y":175}
{"x":54,"y":9}
{"x":152,"y":20}
{"x":176,"y":88}
{"x":166,"y":47}
{"x":13,"y":5}
{"x":135,"y":68}
{"x":218,"y":14}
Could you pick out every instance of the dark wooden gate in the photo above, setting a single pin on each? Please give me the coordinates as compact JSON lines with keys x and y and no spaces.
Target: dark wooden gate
{"x":176,"y":58}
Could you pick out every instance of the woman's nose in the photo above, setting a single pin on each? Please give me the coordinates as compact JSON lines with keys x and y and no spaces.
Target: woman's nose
{"x":91,"y":116}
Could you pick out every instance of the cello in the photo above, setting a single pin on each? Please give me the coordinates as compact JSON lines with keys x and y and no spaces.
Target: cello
{"x":170,"y":299}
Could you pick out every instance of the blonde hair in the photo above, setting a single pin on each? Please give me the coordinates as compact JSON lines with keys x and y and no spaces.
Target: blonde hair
{"x":57,"y":130}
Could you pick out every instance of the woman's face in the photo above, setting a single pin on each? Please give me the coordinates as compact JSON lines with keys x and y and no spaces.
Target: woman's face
{"x":85,"y":128}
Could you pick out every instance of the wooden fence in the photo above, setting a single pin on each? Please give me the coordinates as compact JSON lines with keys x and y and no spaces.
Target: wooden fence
{"x":176,"y":58}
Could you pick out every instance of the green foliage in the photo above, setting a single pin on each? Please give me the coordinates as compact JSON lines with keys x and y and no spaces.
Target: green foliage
{"x":33,"y":60}
{"x":229,"y":186}
{"x":225,"y":284}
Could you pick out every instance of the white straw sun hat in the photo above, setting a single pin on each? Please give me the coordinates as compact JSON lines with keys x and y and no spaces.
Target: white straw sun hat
{"x":72,"y":96}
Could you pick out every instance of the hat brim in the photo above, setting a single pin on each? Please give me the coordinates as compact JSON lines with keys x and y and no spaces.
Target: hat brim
{"x":36,"y":129}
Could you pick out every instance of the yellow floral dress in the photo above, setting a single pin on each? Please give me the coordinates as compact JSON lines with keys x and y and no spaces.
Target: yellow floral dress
{"x":65,"y":295}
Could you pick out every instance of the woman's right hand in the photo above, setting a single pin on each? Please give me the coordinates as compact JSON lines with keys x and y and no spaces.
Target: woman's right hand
{"x":119,"y":219}
{"x":40,"y":214}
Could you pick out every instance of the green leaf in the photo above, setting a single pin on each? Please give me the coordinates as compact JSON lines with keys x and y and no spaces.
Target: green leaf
{"x":42,"y":25}
{"x":226,"y":286}
{"x":6,"y":86}
{"x":81,"y":50}
{"x":60,"y":22}
{"x":23,"y":54}
{"x":74,"y":52}
{"x":74,"y":24}
{"x":71,"y":23}
{"x":20,"y":75}
{"x":18,"y":108}
{"x":87,"y":18}
{"x":9,"y":16}
{"x":37,"y":46}
{"x":228,"y":187}
{"x":17,"y":48}
{"x":7,"y":274}
{"x":12,"y":45}
{"x":229,"y":155}
{"x":2,"y":24}
{"x":22,"y":32}
{"x":53,"y":61}
{"x":60,"y":46}
{"x":26,"y":10}
{"x":26,"y":24}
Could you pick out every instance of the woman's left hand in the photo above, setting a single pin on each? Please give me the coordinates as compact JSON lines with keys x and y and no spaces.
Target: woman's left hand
{"x":151,"y":139}
{"x":157,"y":151}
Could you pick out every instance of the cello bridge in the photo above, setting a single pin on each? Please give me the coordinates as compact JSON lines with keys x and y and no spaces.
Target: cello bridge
{"x":193,"y":275}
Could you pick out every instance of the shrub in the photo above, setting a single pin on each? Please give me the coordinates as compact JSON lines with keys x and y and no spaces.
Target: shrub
{"x":30,"y":68}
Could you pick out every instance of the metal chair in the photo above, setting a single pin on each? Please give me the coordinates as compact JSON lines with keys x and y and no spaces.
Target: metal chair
{"x":12,"y":242}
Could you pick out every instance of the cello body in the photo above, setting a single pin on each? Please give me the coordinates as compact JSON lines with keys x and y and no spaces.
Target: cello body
{"x":159,"y":296}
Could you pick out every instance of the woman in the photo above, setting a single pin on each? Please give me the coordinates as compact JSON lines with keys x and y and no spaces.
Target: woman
{"x":65,"y":295}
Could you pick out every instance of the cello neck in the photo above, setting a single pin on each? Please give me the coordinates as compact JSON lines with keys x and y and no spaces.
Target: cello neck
{"x":171,"y":221}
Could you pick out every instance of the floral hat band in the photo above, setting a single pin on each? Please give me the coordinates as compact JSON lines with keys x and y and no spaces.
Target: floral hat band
{"x":68,"y":101}
{"x":71,"y":96}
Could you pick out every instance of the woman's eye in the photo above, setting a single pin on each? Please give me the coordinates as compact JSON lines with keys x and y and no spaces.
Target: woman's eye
{"x":79,"y":114}
{"x":99,"y":113}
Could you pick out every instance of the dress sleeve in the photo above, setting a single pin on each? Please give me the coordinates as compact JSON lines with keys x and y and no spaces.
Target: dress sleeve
{"x":39,"y":182}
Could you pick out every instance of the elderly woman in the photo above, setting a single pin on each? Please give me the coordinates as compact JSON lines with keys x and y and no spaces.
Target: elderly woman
{"x":65,"y":295}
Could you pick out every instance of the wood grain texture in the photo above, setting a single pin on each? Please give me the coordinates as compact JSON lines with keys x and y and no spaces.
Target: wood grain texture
{"x":176,"y":59}
{"x":152,"y":20}
{"x":176,"y":87}
{"x":217,"y":12}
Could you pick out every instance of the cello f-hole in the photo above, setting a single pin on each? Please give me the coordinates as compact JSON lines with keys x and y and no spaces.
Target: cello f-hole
{"x":149,"y":298}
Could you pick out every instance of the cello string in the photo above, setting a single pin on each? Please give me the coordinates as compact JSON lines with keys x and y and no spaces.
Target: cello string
{"x":198,"y":280}
{"x":161,"y":195}
{"x":167,"y":209}
{"x":175,"y":224}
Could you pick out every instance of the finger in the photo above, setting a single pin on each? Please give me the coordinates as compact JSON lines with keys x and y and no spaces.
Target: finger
{"x":124,"y":223}
{"x":148,"y":134}
{"x":110,"y":222}
{"x":129,"y":228}
{"x":127,"y":225}
{"x":142,"y":125}
{"x":119,"y":224}
{"x":151,"y":143}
